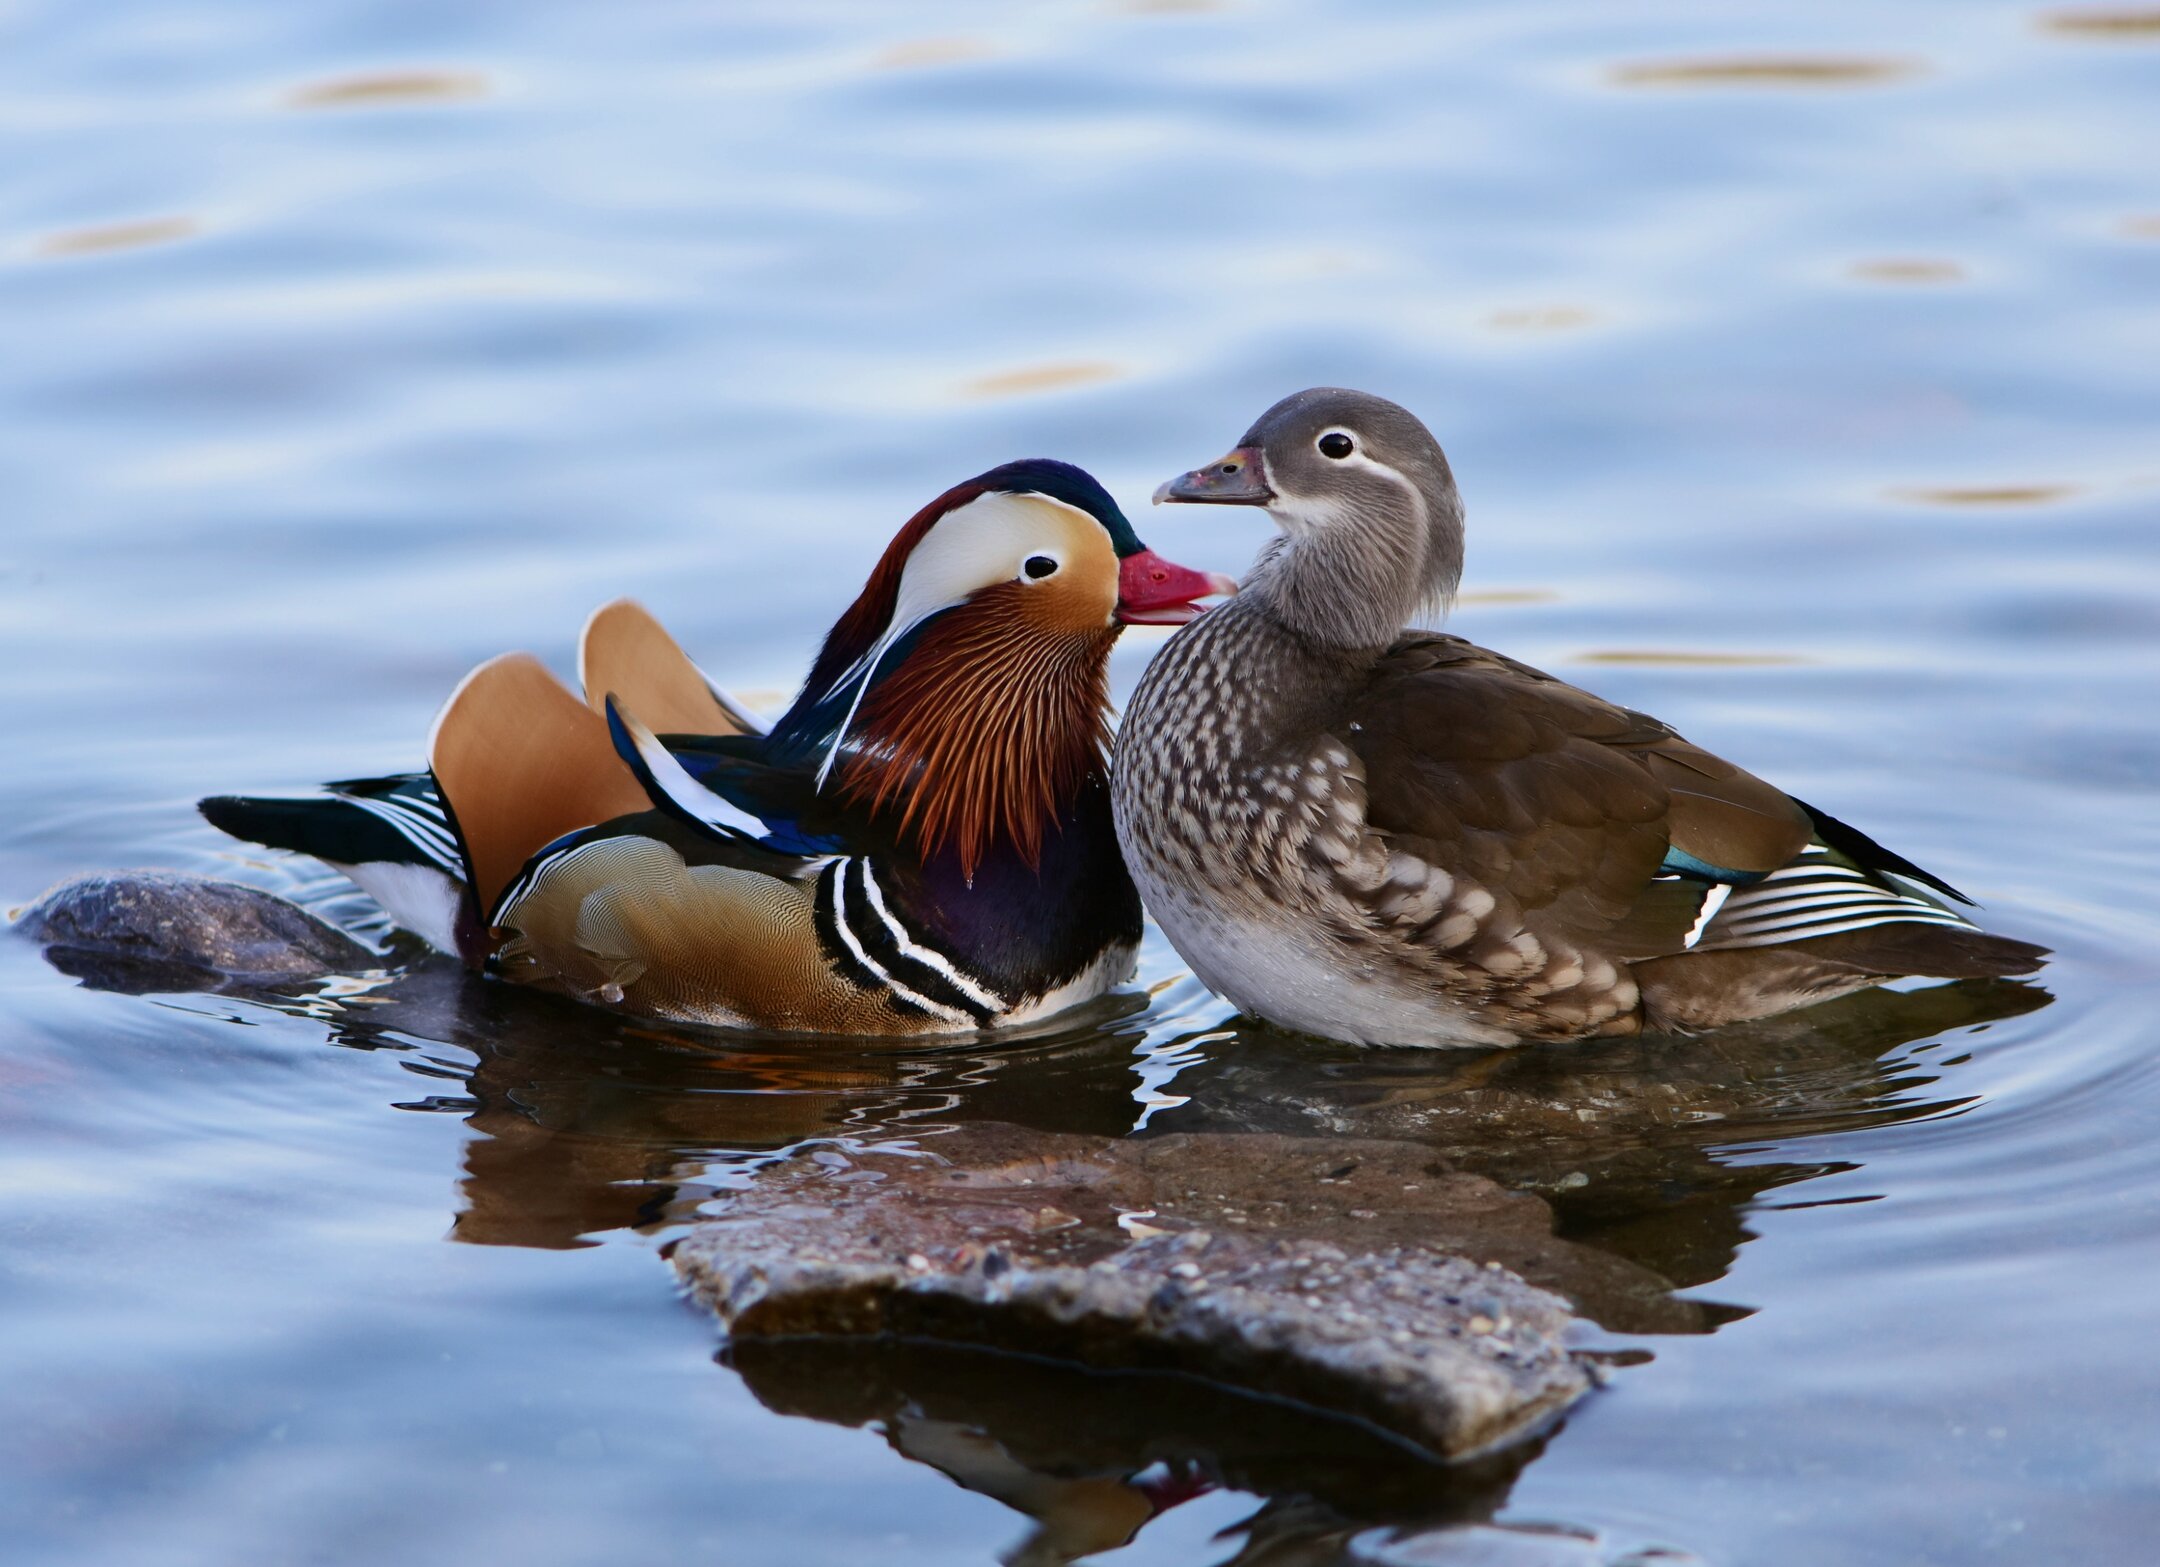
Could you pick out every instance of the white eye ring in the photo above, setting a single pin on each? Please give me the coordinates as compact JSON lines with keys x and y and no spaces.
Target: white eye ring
{"x":1344,"y":444}
{"x":1036,"y":567}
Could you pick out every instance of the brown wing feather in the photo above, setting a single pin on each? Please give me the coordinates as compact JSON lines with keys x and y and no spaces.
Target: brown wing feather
{"x":1723,"y":816}
{"x":522,"y":762}
{"x":625,"y":652}
{"x":1560,"y":803}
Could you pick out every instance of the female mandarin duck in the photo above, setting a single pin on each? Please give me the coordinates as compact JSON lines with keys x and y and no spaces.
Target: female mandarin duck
{"x":1395,"y":837}
{"x":921,"y":845}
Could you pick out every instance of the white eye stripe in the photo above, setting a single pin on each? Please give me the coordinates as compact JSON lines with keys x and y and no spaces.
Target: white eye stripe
{"x":987,"y":540}
{"x":1299,"y":513}
{"x":969,"y":548}
{"x":1359,"y":459}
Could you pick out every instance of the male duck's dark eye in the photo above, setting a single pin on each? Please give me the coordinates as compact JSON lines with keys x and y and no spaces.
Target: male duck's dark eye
{"x":1038,"y":567}
{"x":1337,"y":445}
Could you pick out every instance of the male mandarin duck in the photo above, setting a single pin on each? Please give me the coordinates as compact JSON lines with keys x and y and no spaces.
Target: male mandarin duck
{"x":1392,"y":836}
{"x":921,"y":845}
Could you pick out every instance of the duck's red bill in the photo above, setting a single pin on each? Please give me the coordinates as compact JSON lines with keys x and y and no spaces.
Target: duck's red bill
{"x":1157,"y":592}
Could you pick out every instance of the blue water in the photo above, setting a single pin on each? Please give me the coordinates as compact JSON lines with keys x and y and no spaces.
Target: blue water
{"x":1802,"y":371}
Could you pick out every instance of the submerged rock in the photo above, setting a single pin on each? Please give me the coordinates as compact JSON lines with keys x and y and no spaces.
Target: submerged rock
{"x":136,"y":930}
{"x":1352,"y":1276}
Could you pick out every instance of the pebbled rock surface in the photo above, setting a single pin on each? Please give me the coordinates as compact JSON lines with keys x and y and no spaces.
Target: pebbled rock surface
{"x":181,"y":927}
{"x":1351,"y":1275}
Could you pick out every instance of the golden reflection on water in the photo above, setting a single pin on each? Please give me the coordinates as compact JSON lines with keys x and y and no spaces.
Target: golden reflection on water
{"x":2135,"y":25}
{"x":1766,"y":71}
{"x":1030,"y":379}
{"x":389,"y":87}
{"x":103,"y":237}
{"x":1675,"y":659}
{"x":1986,"y":494}
{"x":1500,"y":598}
{"x":1908,"y":269}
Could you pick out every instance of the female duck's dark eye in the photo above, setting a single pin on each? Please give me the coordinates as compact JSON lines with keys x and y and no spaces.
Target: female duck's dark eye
{"x":1337,"y":445}
{"x":1038,"y":567}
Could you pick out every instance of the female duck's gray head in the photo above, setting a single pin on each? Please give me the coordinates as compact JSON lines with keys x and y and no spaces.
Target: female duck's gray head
{"x":1372,"y":526}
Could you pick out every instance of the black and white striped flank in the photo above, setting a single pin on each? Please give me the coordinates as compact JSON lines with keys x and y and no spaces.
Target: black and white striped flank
{"x":875,"y":948}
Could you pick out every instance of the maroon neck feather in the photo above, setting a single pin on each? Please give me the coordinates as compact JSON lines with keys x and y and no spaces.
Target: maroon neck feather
{"x":986,"y":732}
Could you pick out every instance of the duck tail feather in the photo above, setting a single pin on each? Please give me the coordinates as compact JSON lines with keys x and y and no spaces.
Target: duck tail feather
{"x":383,"y":821}
{"x":1864,"y":851}
{"x":522,"y":762}
{"x":1908,"y":950}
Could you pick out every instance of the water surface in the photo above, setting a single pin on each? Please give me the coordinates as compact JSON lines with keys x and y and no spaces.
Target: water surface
{"x":1801,"y":368}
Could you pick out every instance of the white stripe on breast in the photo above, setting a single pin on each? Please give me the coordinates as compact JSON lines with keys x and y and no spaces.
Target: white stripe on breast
{"x":928,"y":956}
{"x":855,"y":950}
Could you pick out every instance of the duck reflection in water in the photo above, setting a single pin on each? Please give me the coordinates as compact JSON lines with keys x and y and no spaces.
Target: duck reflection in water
{"x":583,"y":1126}
{"x":1630,"y":1140}
{"x":583,"y":1130}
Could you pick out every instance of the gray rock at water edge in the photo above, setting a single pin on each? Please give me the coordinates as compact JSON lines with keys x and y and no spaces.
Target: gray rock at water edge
{"x":170,"y":920}
{"x":1250,"y":1259}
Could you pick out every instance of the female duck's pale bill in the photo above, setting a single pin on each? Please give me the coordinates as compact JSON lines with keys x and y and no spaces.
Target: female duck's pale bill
{"x":922,"y":843}
{"x":1396,"y":837}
